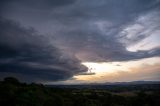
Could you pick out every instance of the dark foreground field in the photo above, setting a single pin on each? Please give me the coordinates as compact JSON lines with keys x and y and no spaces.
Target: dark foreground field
{"x":14,"y":93}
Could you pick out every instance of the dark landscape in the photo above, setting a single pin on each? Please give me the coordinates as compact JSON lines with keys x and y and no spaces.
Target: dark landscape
{"x":14,"y":93}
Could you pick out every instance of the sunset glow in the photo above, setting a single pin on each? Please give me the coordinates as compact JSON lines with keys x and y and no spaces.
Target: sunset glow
{"x":122,"y":71}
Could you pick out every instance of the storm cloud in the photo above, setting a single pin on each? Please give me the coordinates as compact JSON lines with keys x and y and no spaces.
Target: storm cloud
{"x":55,"y":36}
{"x":26,"y":53}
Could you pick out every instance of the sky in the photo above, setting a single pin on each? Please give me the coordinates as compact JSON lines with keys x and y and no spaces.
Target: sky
{"x":80,"y":41}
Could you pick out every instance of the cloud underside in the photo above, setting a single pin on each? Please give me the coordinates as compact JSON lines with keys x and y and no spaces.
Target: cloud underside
{"x":64,"y":33}
{"x":24,"y":52}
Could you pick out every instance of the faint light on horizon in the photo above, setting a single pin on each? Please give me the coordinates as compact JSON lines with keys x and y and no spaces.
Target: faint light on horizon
{"x":120,"y":71}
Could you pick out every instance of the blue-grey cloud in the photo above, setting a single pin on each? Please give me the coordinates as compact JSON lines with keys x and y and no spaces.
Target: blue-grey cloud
{"x":80,"y":30}
{"x":23,"y":51}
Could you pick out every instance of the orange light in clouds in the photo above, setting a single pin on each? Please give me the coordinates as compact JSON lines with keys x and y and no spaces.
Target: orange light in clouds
{"x":121,"y":71}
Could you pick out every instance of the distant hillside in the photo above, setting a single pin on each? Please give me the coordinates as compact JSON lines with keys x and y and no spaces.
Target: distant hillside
{"x":132,"y":83}
{"x":116,"y":86}
{"x":15,"y":93}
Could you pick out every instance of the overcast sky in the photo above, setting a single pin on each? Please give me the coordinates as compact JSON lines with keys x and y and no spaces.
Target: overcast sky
{"x":63,"y":40}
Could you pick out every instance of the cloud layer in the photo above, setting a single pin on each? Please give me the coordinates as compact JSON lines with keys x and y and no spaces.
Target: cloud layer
{"x":65,"y":33}
{"x":24,"y":52}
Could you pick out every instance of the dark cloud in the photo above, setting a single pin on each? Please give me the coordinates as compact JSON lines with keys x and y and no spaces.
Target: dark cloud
{"x":39,"y":3}
{"x":94,"y":28}
{"x":90,"y":73}
{"x":80,"y":30}
{"x":32,"y":5}
{"x":24,"y":52}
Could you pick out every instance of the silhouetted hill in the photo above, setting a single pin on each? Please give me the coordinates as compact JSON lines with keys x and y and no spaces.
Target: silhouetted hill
{"x":15,"y":93}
